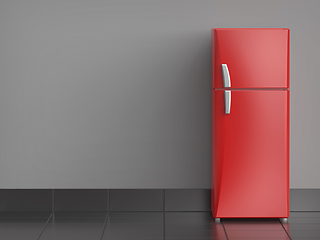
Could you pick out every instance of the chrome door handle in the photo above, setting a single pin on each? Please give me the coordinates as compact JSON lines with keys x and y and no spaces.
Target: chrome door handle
{"x":226,"y":76}
{"x":227,"y":101}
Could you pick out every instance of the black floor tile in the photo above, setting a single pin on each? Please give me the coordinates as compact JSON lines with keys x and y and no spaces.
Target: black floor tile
{"x":252,"y":225}
{"x":21,"y":228}
{"x":26,"y":199}
{"x":191,"y":221}
{"x":21,"y":221}
{"x":25,"y":214}
{"x":304,"y":234}
{"x":110,"y":234}
{"x":197,"y":238}
{"x":302,"y":226}
{"x":261,"y":238}
{"x":136,"y":217}
{"x":81,"y":199}
{"x":193,"y":227}
{"x":201,"y":215}
{"x":136,"y":238}
{"x":133,"y":226}
{"x":136,"y":200}
{"x":188,"y":218}
{"x":304,"y":214}
{"x":187,"y":199}
{"x":81,"y":214}
{"x":194,"y":234}
{"x":151,"y":225}
{"x":304,"y":220}
{"x":74,"y":225}
{"x":303,"y":238}
{"x":256,"y":234}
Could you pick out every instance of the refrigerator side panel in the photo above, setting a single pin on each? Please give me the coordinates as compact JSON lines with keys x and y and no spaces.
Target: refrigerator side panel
{"x":213,"y":198}
{"x":251,"y":155}
{"x":217,"y":133}
{"x":255,"y":58}
{"x":288,"y":152}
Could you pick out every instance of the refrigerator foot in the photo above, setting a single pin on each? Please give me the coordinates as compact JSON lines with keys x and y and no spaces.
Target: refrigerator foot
{"x":284,"y":219}
{"x":217,"y":219}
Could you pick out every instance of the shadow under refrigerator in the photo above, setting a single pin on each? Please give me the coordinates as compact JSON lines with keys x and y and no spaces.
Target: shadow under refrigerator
{"x":250,"y":123}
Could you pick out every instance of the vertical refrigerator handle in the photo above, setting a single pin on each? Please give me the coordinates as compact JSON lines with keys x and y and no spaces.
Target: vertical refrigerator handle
{"x":227,"y":101}
{"x":226,"y":76}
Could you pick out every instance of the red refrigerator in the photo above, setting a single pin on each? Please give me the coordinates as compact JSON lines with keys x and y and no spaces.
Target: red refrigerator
{"x":250,"y":123}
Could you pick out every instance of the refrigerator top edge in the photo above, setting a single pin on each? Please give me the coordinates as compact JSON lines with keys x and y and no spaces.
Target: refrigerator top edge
{"x":223,"y":29}
{"x":252,"y":89}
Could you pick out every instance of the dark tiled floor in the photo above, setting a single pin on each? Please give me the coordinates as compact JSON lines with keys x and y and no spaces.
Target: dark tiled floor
{"x":153,"y":226}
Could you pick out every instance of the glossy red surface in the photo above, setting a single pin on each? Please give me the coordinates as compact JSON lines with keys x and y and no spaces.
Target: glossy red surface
{"x":250,"y":167}
{"x":256,"y":58}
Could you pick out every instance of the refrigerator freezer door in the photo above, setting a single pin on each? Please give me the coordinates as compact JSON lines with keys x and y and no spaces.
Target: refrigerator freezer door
{"x":251,"y":155}
{"x":256,"y":58}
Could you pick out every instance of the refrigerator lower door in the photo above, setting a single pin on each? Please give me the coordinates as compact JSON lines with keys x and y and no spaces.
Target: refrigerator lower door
{"x":250,"y":157}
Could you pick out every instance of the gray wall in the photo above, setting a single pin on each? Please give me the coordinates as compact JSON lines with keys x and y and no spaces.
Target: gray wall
{"x":116,"y":94}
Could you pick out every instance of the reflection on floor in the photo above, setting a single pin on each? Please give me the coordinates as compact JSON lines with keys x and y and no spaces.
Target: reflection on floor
{"x":153,"y":226}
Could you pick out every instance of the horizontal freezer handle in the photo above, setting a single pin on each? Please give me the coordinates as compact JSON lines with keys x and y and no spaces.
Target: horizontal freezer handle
{"x":227,"y":101}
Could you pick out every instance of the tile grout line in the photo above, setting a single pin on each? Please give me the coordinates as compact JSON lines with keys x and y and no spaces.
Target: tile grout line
{"x":164,"y":200}
{"x":163,"y":213}
{"x":108,"y":200}
{"x":225,"y":231}
{"x":45,"y":225}
{"x":53,"y":203}
{"x":140,"y":211}
{"x":284,"y":229}
{"x":187,"y":211}
{"x":104,"y":225}
{"x":108,"y":210}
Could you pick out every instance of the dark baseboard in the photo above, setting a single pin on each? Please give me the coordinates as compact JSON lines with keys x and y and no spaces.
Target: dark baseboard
{"x":130,"y":200}
{"x":304,"y":199}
